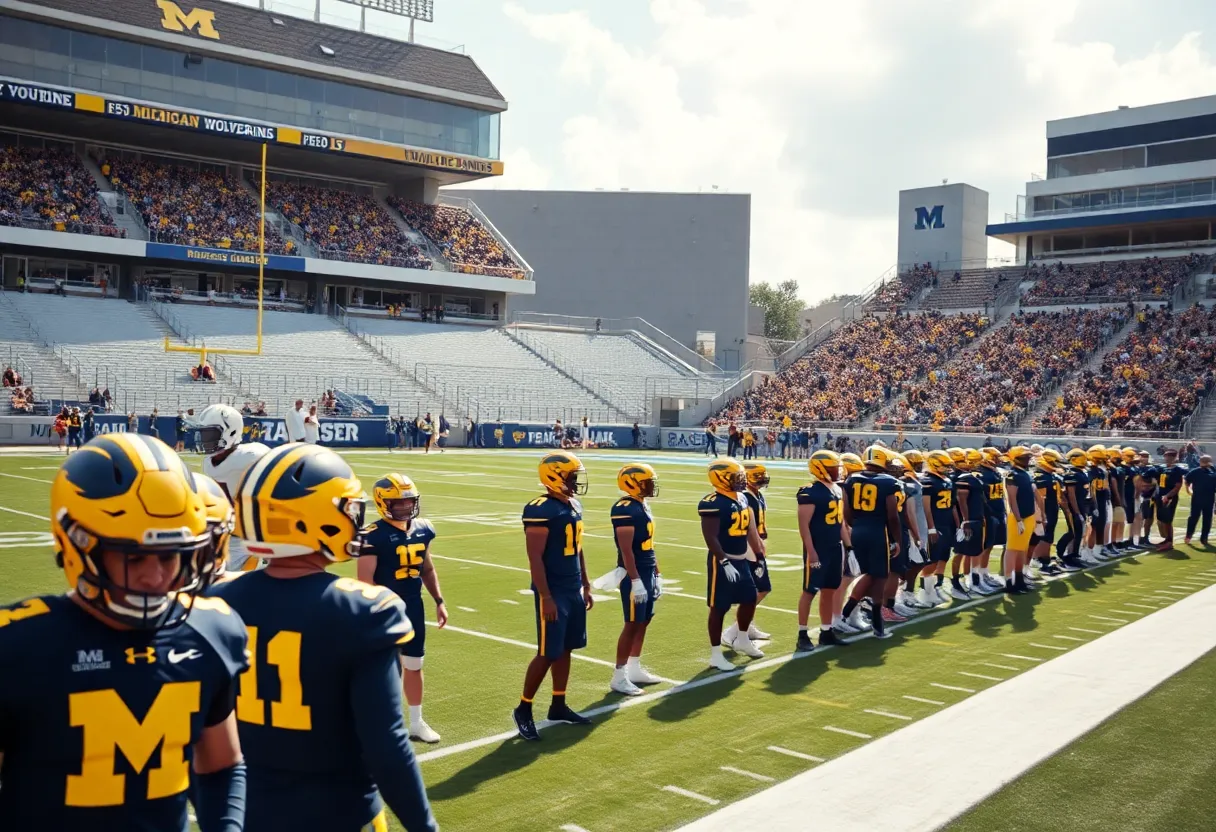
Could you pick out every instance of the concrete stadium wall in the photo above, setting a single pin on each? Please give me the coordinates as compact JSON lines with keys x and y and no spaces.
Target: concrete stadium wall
{"x":678,"y":260}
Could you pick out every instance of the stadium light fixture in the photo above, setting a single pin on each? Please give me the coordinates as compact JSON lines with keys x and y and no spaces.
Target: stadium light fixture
{"x":423,"y":10}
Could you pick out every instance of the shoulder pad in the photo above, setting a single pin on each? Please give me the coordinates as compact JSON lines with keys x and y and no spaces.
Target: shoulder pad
{"x":222,"y":628}
{"x":13,"y":618}
{"x":421,"y":524}
{"x":379,"y":616}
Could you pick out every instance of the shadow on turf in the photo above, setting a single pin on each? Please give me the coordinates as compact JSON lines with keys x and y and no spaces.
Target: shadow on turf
{"x":797,"y":675}
{"x":676,"y":708}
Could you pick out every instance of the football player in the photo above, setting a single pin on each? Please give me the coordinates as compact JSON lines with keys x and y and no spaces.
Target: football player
{"x":109,"y":737}
{"x":820,"y":517}
{"x":1025,"y":512}
{"x":939,"y":499}
{"x":757,"y":481}
{"x":996,"y":512}
{"x":1075,"y":507}
{"x":226,"y":459}
{"x":894,"y":610}
{"x":729,"y":529}
{"x":320,"y":710}
{"x":633,"y":531}
{"x":397,"y":555}
{"x":221,"y":518}
{"x":1146,"y":485}
{"x":1131,"y":471}
{"x":857,"y":623}
{"x":915,"y":505}
{"x":1099,"y":487}
{"x":969,"y":538}
{"x":553,"y":532}
{"x":871,"y":508}
{"x":1116,"y":477}
{"x":1048,"y":493}
{"x":1169,"y":483}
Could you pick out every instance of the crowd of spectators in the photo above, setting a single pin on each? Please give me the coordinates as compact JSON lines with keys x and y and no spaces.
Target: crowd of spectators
{"x":51,"y":189}
{"x":192,"y":206}
{"x":858,"y":368}
{"x":464,"y":241}
{"x":905,"y":286}
{"x":1152,"y":381}
{"x":1143,"y":279}
{"x":348,"y":224}
{"x":101,"y":399}
{"x":991,"y":386}
{"x":22,"y":399}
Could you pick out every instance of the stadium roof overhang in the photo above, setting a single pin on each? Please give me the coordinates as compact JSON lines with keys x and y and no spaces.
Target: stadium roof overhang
{"x":1012,"y":232}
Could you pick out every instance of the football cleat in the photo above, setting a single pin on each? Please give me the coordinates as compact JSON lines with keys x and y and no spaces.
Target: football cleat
{"x":743,"y":644}
{"x":525,"y":725}
{"x":717,"y":660}
{"x":804,"y":643}
{"x":904,"y":611}
{"x":564,"y":713}
{"x":829,"y":638}
{"x":927,"y":598}
{"x":1072,"y":563}
{"x":622,"y":684}
{"x":881,"y":633}
{"x":844,"y":627}
{"x":890,"y":616}
{"x":959,"y":594}
{"x":729,"y":634}
{"x":422,"y":732}
{"x":859,"y":621}
{"x":641,"y":676}
{"x":756,"y":634}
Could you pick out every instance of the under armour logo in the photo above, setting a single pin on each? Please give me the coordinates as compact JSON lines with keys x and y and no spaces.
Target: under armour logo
{"x":148,"y":654}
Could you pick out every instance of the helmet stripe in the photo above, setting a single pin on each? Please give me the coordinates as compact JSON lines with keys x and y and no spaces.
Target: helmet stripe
{"x":158,"y":453}
{"x":273,"y":473}
{"x":250,"y":514}
{"x":140,"y":451}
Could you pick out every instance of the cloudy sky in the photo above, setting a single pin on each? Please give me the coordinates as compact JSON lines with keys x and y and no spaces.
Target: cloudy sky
{"x":821,"y":110}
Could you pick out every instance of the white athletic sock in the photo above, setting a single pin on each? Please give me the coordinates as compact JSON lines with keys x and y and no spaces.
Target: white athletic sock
{"x":730,"y":632}
{"x":984,"y":572}
{"x":837,"y":619}
{"x":415,"y":714}
{"x":823,"y":628}
{"x":634,"y":663}
{"x":802,"y":629}
{"x":715,"y":650}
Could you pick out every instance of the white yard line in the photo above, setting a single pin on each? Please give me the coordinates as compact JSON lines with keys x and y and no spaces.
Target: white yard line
{"x":763,"y":778}
{"x":924,"y":701}
{"x":1001,"y":667}
{"x":1087,"y":685}
{"x":1049,"y":647}
{"x":847,"y":732}
{"x":1083,"y":630}
{"x":981,"y":676}
{"x":1023,"y":658}
{"x":482,"y":563}
{"x":1106,"y":618}
{"x":571,"y":827}
{"x":951,"y":687}
{"x":691,"y":795}
{"x":24,"y":513}
{"x":888,"y":715}
{"x":1070,"y":638}
{"x":798,"y":755}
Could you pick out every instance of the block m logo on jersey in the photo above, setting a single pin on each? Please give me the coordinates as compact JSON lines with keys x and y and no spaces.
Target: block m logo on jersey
{"x":929,"y":218}
{"x":199,"y":21}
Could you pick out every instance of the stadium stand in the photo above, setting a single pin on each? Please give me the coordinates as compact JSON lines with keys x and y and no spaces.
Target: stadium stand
{"x":1153,"y":380}
{"x":49,"y":188}
{"x":994,"y":385}
{"x":191,"y":204}
{"x":22,"y":352}
{"x":485,"y":371}
{"x":462,"y":239}
{"x":971,"y":288}
{"x":907,"y":285}
{"x":858,"y":368}
{"x":1151,"y":278}
{"x":345,"y":225}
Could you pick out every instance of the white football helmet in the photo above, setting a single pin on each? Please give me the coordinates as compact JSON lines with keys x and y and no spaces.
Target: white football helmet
{"x":219,"y":428}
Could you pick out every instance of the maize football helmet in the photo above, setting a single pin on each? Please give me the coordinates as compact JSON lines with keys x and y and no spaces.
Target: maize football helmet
{"x":915,"y":459}
{"x":638,"y":480}
{"x":824,"y":466}
{"x":221,"y":517}
{"x":939,"y":462}
{"x":1077,"y":458}
{"x":727,"y":476}
{"x":878,"y":455}
{"x":300,"y":499}
{"x":974,"y":459}
{"x":1129,"y":455}
{"x":1020,"y":456}
{"x":992,"y":456}
{"x":562,"y":473}
{"x":958,"y":456}
{"x":397,"y":498}
{"x":130,"y":494}
{"x":1050,"y":460}
{"x":852,"y":463}
{"x":1097,"y":454}
{"x":757,"y":475}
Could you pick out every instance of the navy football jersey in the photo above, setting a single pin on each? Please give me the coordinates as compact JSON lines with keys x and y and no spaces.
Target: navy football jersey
{"x":994,"y":493}
{"x":1048,"y":485}
{"x":971,"y":489}
{"x":1098,"y":485}
{"x":1025,"y":495}
{"x":628,"y":513}
{"x":901,"y":500}
{"x":734,"y":518}
{"x":135,"y":701}
{"x":1077,"y":479}
{"x":1115,"y":477}
{"x":400,"y":555}
{"x":1148,"y":476}
{"x":759,"y":506}
{"x":1169,"y":477}
{"x":313,"y":640}
{"x":867,"y":493}
{"x":940,"y":491}
{"x":828,"y":516}
{"x":564,"y":522}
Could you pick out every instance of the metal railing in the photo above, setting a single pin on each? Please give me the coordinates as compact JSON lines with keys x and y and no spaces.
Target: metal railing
{"x":477,"y":214}
{"x":63,"y":226}
{"x":689,"y":359}
{"x":808,"y":342}
{"x":606,"y":393}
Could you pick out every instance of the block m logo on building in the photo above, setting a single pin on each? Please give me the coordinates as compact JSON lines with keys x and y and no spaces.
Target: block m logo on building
{"x":199,"y":21}
{"x":929,"y":218}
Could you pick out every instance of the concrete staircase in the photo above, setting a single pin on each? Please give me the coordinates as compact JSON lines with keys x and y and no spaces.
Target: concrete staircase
{"x":439,"y":263}
{"x":279,"y":224}
{"x":124,"y":213}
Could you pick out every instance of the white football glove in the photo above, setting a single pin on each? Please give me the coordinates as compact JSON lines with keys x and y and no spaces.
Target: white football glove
{"x":658,"y":586}
{"x":960,"y":535}
{"x":758,"y":569}
{"x":1038,"y":529}
{"x":914,"y":554}
{"x":731,"y":573}
{"x":1021,"y":527}
{"x":610,"y":580}
{"x":854,"y":566}
{"x":638,"y":593}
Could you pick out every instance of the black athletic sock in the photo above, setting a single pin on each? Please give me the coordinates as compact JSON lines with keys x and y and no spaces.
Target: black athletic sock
{"x":559,"y":700}
{"x":849,"y":606}
{"x":956,"y":581}
{"x":889,"y":604}
{"x":525,"y":708}
{"x":1019,"y":580}
{"x":941,"y":579}
{"x":876,"y":618}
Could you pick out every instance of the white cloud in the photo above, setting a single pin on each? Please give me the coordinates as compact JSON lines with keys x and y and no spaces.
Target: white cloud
{"x":824,"y":111}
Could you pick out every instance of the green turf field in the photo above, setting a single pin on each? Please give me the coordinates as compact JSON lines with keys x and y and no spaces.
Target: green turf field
{"x":1149,"y":769}
{"x":773,"y":720}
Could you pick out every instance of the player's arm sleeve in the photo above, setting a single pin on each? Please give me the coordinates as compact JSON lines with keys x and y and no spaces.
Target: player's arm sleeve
{"x":219,"y":799}
{"x":375,"y":689}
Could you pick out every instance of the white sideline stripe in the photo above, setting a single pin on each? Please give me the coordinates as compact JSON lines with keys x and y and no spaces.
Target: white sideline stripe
{"x":508,"y":601}
{"x":466,"y":609}
{"x":751,"y":667}
{"x":31,"y":479}
{"x":1049,"y":647}
{"x":923,"y":701}
{"x":847,"y":732}
{"x":691,"y":795}
{"x":1023,"y":658}
{"x":1002,"y":667}
{"x":481,"y":563}
{"x":1083,"y":630}
{"x":525,"y":592}
{"x":24,"y":513}
{"x":763,"y":778}
{"x":1186,"y":588}
{"x":570,"y":827}
{"x":888,"y":714}
{"x":1168,"y":592}
{"x":1086,"y":686}
{"x":951,"y":687}
{"x":981,"y":676}
{"x":1127,"y":612}
{"x":690,"y":572}
{"x":1107,"y":618}
{"x":1141,"y":606}
{"x":796,"y":754}
{"x":1069,"y":638}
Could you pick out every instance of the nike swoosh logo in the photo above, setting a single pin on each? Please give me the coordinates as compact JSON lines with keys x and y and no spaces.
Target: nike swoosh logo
{"x":175,"y":657}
